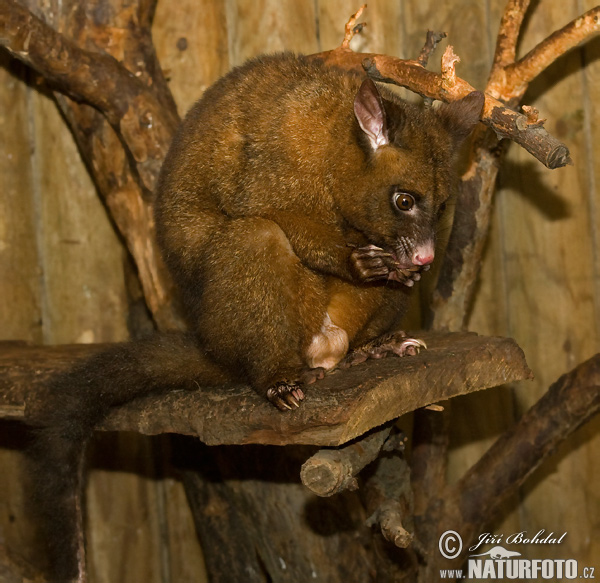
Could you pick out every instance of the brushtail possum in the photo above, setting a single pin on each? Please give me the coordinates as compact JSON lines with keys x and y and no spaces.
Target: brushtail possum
{"x":296,"y":208}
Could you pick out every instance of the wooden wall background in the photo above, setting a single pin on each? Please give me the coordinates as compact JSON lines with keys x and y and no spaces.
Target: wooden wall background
{"x":65,"y":277}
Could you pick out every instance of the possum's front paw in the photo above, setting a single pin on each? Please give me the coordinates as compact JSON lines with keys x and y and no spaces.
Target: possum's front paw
{"x":397,"y":343}
{"x":408,"y":276}
{"x":371,"y":263}
{"x":285,"y":395}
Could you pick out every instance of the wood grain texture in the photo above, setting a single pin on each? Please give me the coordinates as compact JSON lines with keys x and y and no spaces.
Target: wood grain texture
{"x":192,"y":45}
{"x":267,"y":26}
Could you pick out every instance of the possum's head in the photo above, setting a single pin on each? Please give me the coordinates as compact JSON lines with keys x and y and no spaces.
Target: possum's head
{"x":408,"y":170}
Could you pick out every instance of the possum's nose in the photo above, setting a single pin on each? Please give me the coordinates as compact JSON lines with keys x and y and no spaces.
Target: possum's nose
{"x":424,"y":254}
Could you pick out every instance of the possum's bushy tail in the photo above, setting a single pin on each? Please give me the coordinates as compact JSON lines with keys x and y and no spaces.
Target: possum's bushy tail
{"x":73,"y":403}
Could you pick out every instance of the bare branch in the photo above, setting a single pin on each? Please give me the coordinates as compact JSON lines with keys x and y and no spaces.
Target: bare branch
{"x":506,"y":122}
{"x":458,"y":275}
{"x":330,"y":471}
{"x":508,"y":35}
{"x":352,"y":28}
{"x":431,"y":42}
{"x":525,"y":70}
{"x":146,"y":10}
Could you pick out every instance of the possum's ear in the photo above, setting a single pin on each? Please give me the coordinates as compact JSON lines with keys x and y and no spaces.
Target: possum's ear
{"x":369,"y":111}
{"x":460,"y":117}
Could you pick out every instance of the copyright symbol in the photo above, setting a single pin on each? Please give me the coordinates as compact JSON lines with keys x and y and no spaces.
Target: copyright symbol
{"x":450,"y":544}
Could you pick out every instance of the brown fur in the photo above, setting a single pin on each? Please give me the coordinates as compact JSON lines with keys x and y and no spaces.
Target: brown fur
{"x":266,"y":185}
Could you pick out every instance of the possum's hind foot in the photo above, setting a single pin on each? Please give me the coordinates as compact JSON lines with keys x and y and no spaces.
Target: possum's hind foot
{"x":397,"y":343}
{"x":285,"y":395}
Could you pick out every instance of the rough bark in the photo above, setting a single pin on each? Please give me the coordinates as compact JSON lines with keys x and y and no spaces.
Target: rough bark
{"x":339,"y":408}
{"x":112,"y":94}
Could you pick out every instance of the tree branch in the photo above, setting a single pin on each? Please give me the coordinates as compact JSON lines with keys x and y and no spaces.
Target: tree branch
{"x":459,"y":271}
{"x":145,"y":125}
{"x":508,"y":35}
{"x":431,"y":43}
{"x":352,"y":28}
{"x":569,"y":403}
{"x":330,"y":471}
{"x":133,"y":97}
{"x":511,"y":81}
{"x":446,"y":86}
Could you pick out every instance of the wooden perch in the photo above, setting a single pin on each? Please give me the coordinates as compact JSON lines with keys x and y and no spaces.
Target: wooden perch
{"x":344,"y":405}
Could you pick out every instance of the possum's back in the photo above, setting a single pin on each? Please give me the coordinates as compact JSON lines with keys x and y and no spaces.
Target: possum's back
{"x":270,"y":127}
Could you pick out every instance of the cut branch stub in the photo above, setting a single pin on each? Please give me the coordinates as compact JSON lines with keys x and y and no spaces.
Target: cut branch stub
{"x":532,"y":136}
{"x":331,"y":471}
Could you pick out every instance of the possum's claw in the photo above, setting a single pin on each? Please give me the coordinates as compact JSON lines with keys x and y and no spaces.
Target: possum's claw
{"x":285,"y":395}
{"x":408,"y":346}
{"x":395,"y":343}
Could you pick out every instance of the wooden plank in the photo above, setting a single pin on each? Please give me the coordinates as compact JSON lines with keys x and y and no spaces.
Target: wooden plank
{"x":344,"y":405}
{"x":267,"y":26}
{"x":192,"y":47}
{"x":83,"y":274}
{"x":589,"y":472}
{"x":20,"y":311}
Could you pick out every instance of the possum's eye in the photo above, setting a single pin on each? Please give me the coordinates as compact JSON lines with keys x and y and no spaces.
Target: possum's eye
{"x":403,"y":201}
